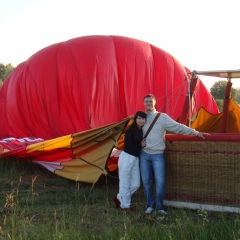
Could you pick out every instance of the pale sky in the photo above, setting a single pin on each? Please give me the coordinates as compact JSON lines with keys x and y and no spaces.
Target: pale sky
{"x":201,"y":34}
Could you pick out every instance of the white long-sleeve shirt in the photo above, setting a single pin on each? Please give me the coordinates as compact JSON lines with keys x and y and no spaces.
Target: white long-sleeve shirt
{"x":155,"y":141}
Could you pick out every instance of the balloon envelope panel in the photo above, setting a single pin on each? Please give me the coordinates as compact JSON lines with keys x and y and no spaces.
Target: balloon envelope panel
{"x":88,"y":82}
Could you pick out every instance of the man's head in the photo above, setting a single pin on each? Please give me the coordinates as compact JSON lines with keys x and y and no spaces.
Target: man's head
{"x":149,"y":102}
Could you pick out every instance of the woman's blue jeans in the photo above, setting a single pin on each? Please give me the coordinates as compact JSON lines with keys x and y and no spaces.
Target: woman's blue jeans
{"x":152,"y":167}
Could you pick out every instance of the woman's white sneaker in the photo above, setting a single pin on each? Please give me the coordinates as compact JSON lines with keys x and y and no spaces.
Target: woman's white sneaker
{"x":149,"y":210}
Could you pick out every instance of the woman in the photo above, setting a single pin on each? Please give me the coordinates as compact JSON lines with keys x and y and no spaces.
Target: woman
{"x":128,"y":163}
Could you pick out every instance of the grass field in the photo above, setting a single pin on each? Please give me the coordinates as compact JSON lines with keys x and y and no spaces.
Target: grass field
{"x":37,"y":204}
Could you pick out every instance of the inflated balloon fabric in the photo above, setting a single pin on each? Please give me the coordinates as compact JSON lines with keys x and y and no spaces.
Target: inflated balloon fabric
{"x":91,"y":81}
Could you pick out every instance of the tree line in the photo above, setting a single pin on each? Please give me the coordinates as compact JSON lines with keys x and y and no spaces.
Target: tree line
{"x":5,"y":71}
{"x":217,"y":90}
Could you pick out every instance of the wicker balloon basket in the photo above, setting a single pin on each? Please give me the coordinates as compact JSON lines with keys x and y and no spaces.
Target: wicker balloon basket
{"x":203,"y":171}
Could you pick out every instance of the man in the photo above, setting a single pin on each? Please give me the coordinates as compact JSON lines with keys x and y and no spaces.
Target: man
{"x":152,"y":163}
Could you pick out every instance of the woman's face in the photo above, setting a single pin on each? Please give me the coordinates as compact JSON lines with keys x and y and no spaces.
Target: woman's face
{"x":140,"y":121}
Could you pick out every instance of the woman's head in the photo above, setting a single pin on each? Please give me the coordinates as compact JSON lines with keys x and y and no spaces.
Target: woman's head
{"x":140,"y":118}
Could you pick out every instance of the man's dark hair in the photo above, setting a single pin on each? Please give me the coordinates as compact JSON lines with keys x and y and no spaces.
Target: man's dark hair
{"x":150,"y":96}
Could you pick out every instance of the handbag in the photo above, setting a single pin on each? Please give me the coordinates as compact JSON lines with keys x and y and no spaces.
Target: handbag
{"x":150,"y":127}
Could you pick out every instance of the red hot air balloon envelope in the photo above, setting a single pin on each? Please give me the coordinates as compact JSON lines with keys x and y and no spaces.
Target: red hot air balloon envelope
{"x":84,"y":84}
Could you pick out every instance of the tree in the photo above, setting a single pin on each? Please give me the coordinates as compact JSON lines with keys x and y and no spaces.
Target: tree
{"x":218,"y":89}
{"x":220,"y":103}
{"x":237,"y":97}
{"x":218,"y":92}
{"x":2,"y":71}
{"x":8,"y":69}
{"x":5,"y":71}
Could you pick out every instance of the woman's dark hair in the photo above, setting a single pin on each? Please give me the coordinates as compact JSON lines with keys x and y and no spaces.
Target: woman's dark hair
{"x":137,"y":134}
{"x":139,"y":114}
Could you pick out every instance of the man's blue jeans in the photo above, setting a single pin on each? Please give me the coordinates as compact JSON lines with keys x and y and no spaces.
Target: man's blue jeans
{"x":152,"y":167}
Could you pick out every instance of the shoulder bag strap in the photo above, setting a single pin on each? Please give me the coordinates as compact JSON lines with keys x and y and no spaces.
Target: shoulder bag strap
{"x":150,"y":127}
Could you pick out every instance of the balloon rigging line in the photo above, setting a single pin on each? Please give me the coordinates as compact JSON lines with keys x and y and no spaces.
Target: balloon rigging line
{"x":189,"y":101}
{"x":77,"y":70}
{"x":173,"y":96}
{"x":98,"y":141}
{"x":91,"y":164}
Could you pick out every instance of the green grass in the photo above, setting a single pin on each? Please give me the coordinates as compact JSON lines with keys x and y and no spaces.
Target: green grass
{"x":36,"y":204}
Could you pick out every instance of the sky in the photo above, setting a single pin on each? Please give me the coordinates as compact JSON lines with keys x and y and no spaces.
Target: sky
{"x":201,"y":34}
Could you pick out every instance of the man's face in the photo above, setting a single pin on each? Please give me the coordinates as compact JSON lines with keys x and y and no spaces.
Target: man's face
{"x":149,"y":103}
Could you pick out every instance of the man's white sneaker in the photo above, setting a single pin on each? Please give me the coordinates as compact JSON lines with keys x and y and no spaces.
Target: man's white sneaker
{"x":162,"y":212}
{"x":149,"y":210}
